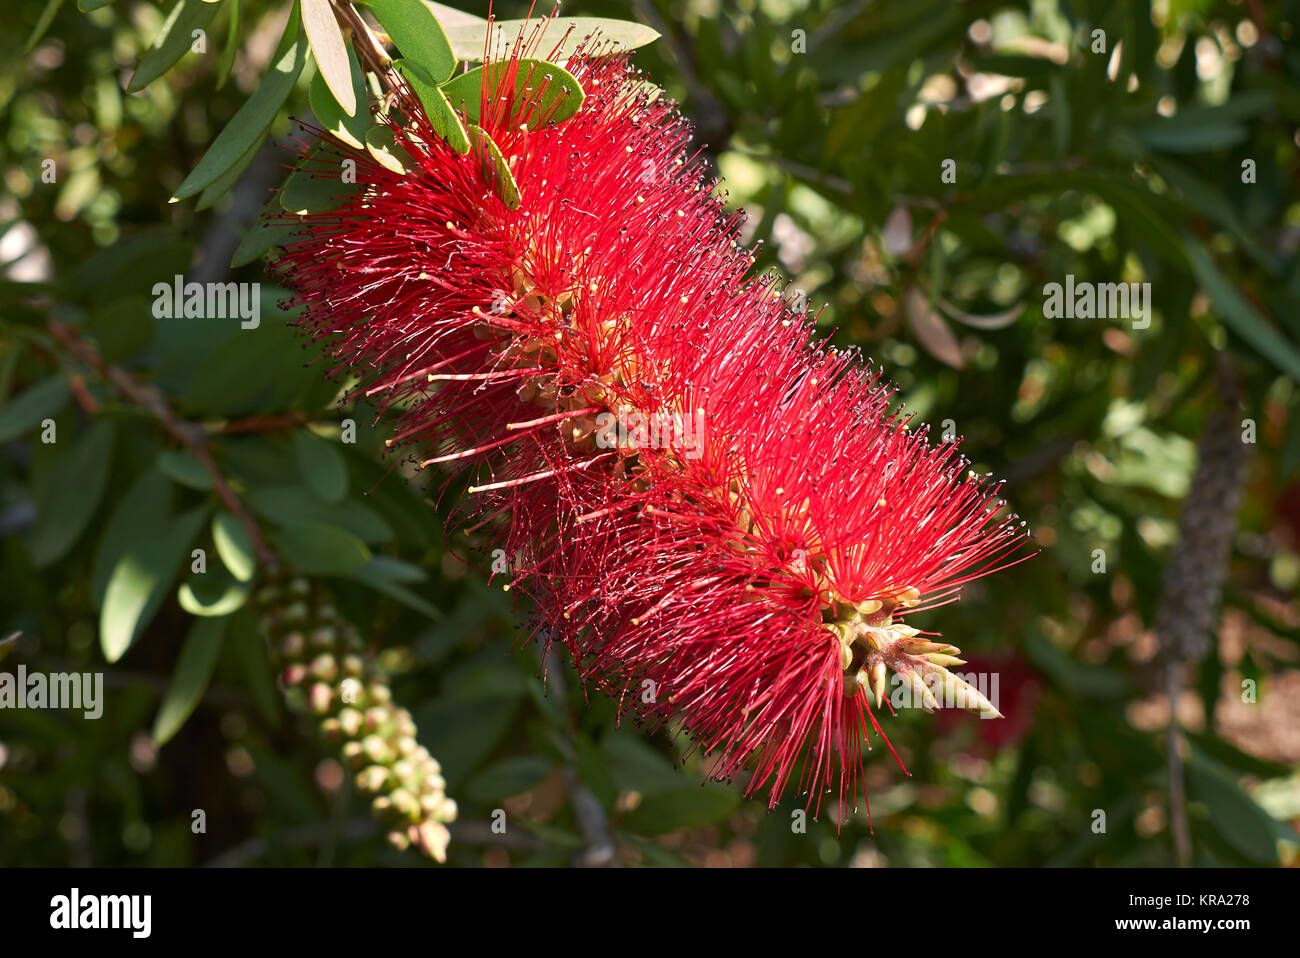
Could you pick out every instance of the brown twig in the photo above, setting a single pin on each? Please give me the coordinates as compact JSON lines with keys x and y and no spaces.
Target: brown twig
{"x":188,"y":434}
{"x":368,"y":46}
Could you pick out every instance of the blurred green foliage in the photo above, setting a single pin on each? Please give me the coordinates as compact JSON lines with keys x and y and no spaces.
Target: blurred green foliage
{"x":1161,"y":150}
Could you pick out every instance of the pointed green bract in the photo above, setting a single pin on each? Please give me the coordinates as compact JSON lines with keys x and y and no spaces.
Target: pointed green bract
{"x":495,"y":167}
{"x":553,"y":92}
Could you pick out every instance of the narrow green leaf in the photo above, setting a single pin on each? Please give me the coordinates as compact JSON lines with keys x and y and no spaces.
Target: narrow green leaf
{"x":294,"y":503}
{"x":181,"y":466}
{"x":319,"y":549}
{"x":42,"y":24}
{"x":1235,"y":816}
{"x":66,"y":503}
{"x":249,"y":649}
{"x":190,"y":679}
{"x":467,"y":40}
{"x":415,"y":30}
{"x":495,"y":167}
{"x":549,"y":93}
{"x":331,"y":52}
{"x":234,"y":546}
{"x":214,"y":593}
{"x":382,"y":143}
{"x":264,"y":235}
{"x":449,"y":17}
{"x":318,"y":185}
{"x":508,"y":777}
{"x":255,"y":116}
{"x":445,"y":121}
{"x":348,"y":126}
{"x":140,"y":581}
{"x":173,"y":41}
{"x":29,"y":408}
{"x":1238,"y":315}
{"x":232,"y":46}
{"x":140,"y":514}
{"x":85,"y":6}
{"x":321,"y":465}
{"x":379,"y":579}
{"x":224,"y":183}
{"x":121,"y":328}
{"x":687,"y":807}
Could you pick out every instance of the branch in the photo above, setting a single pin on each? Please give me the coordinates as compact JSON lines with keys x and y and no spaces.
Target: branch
{"x":189,"y":435}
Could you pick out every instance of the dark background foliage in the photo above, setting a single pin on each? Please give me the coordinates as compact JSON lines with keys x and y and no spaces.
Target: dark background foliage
{"x":1122,"y":165}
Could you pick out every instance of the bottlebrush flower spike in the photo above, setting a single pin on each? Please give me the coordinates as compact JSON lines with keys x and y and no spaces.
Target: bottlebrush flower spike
{"x":722,"y":520}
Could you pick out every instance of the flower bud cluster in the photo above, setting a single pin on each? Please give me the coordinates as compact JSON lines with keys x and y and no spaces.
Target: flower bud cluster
{"x":324,"y":671}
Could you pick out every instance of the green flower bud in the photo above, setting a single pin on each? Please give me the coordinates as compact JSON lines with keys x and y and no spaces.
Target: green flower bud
{"x":325,"y":668}
{"x":350,"y":721}
{"x":320,"y":699}
{"x":372,"y":778}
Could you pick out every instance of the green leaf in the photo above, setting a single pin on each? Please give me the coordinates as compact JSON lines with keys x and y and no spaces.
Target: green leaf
{"x":227,"y":180}
{"x":315,"y":548}
{"x":264,"y":235}
{"x":331,"y":52}
{"x":321,"y":465}
{"x":122,"y":328}
{"x":255,"y":116}
{"x":395,"y":570}
{"x":85,"y":6}
{"x":415,"y":30}
{"x":550,"y":94}
{"x":494,"y":167}
{"x":1234,"y":816}
{"x":173,"y":41}
{"x":449,"y":17}
{"x":382,"y":143}
{"x":1238,"y":315}
{"x":190,"y":678}
{"x":42,"y":24}
{"x":214,"y":593}
{"x":181,"y":466}
{"x":68,"y":500}
{"x":444,"y":120}
{"x":508,"y":777}
{"x":232,"y":46}
{"x":30,"y":408}
{"x":378,"y":576}
{"x":318,"y":185}
{"x":348,"y":126}
{"x":290,"y":504}
{"x":467,"y":39}
{"x":671,"y":811}
{"x":249,"y":649}
{"x":234,"y":546}
{"x":140,"y":581}
{"x":142,"y":513}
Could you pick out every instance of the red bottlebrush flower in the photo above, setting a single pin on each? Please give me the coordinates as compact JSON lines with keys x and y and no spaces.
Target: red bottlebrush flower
{"x":723,"y":521}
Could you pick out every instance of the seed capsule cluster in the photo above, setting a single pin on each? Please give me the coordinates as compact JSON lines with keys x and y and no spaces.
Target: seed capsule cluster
{"x":325,"y":672}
